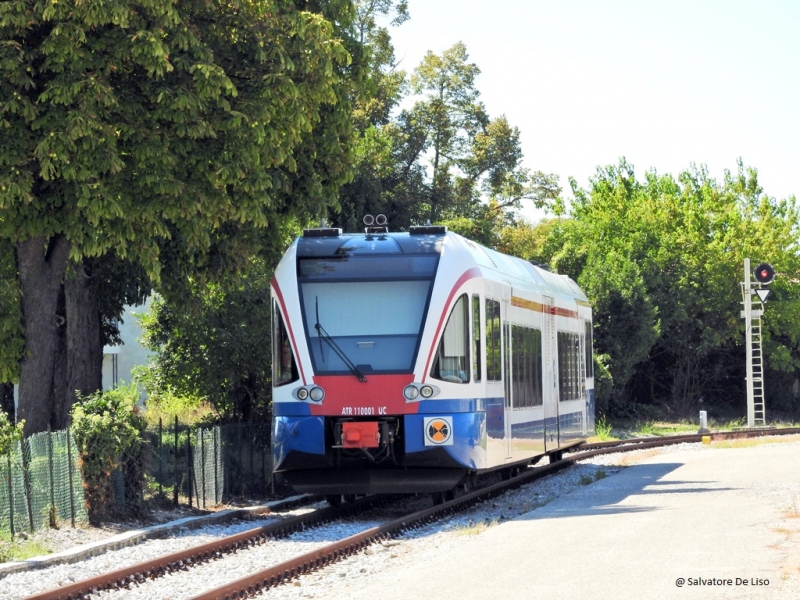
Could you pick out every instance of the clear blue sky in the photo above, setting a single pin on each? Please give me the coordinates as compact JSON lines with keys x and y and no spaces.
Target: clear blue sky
{"x":662,"y":83}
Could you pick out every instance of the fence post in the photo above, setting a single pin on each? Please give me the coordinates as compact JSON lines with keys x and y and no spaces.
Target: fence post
{"x":160,"y":460}
{"x":215,"y":437}
{"x":177,"y":478}
{"x":189,"y":461}
{"x":26,"y":477}
{"x":71,"y":485}
{"x":240,"y":470}
{"x":264,"y":469}
{"x":251,"y":443}
{"x":10,"y":493}
{"x":202,"y":467}
{"x":52,"y":511}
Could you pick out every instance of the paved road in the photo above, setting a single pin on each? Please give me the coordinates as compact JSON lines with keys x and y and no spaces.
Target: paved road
{"x":717,"y":514}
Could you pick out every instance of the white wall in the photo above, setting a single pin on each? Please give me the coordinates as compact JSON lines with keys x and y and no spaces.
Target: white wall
{"x":129,"y":354}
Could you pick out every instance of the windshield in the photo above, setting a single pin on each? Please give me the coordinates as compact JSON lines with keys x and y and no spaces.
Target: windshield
{"x":371,"y":308}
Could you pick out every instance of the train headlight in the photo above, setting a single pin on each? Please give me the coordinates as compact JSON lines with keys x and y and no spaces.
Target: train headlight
{"x":426,"y":391}
{"x":411,"y":392}
{"x":302,"y":394}
{"x":317,"y":394}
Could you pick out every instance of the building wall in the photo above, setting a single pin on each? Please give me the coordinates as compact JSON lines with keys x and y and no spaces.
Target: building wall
{"x":119,"y":361}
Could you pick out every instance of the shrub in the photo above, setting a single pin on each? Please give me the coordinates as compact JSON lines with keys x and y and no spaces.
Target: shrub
{"x":9,"y":433}
{"x":108,"y":430}
{"x":168,"y":404}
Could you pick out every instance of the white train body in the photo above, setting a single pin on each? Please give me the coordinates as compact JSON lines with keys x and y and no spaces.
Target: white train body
{"x":407,"y":362}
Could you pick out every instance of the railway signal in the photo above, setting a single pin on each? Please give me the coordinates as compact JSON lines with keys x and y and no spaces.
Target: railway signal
{"x":763,"y":274}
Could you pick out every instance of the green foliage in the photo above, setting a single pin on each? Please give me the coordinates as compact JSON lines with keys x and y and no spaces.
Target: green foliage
{"x":661,"y":260}
{"x":215,"y":345}
{"x":180,"y":135}
{"x":444,"y":159}
{"x":11,"y":333}
{"x":9,"y":433}
{"x":108,"y":430}
{"x":603,"y":429}
{"x":165,"y":405}
{"x":22,"y":550}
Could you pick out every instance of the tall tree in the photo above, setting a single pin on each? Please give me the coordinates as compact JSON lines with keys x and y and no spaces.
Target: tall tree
{"x":661,"y":261}
{"x":140,"y":125}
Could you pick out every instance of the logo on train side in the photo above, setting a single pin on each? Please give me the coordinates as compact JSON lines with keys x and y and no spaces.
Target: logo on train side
{"x":438,"y":431}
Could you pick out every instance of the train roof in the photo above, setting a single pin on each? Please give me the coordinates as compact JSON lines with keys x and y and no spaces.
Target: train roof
{"x":317,"y":243}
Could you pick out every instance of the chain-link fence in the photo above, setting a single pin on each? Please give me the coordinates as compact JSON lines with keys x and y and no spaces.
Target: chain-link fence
{"x":204,"y":466}
{"x":41,"y":484}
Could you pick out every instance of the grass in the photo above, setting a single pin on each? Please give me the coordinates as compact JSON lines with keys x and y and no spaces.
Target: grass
{"x":603,"y":430}
{"x":473,"y":528}
{"x":661,"y":428}
{"x":597,"y":476}
{"x":22,"y":550}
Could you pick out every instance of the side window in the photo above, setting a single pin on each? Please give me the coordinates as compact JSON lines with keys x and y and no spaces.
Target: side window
{"x":527,"y":367}
{"x":568,"y":356}
{"x":476,"y":338}
{"x":536,"y":367}
{"x":451,"y":362}
{"x":284,"y":367}
{"x":493,"y":340}
{"x":588,"y":348}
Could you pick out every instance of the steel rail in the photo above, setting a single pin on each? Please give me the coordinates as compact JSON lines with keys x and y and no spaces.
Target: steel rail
{"x":334,"y":552}
{"x":182,"y":559}
{"x":306,"y":563}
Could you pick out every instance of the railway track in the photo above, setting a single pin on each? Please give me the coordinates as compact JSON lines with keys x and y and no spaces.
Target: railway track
{"x":320,"y":557}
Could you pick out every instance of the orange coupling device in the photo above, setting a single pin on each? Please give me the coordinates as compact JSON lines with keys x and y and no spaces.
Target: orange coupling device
{"x":360,"y":434}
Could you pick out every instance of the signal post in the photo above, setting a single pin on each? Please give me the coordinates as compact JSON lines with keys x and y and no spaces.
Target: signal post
{"x":764,"y":274}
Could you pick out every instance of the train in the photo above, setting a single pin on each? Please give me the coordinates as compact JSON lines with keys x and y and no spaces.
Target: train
{"x":416,"y":361}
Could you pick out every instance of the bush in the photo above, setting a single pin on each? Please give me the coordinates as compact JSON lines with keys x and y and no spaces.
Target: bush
{"x":168,"y":404}
{"x":109,"y":430}
{"x":9,"y":433}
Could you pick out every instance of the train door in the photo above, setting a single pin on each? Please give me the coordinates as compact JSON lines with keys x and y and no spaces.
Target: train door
{"x":508,"y":405}
{"x":550,"y":378}
{"x":496,"y":421}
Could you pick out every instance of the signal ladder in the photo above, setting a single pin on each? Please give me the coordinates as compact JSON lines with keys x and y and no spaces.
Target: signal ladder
{"x":758,"y":370}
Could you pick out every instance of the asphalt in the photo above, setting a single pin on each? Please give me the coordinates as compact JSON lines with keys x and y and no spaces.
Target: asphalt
{"x":679,"y":525}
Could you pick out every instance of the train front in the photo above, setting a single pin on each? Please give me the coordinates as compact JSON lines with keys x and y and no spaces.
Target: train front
{"x":348,"y":316}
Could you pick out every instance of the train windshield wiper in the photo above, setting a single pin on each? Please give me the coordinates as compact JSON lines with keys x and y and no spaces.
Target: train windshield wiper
{"x":323,"y":335}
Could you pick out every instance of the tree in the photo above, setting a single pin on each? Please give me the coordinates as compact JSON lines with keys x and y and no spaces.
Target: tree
{"x":216,"y":345}
{"x":661,"y":261}
{"x":149,"y":126}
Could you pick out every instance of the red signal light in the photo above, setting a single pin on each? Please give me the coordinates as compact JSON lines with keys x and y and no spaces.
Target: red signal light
{"x":764,"y":273}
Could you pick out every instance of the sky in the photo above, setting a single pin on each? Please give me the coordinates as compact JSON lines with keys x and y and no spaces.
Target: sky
{"x":663,"y":83}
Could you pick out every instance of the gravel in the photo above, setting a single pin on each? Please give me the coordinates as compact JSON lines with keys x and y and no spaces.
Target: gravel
{"x":352,"y":573}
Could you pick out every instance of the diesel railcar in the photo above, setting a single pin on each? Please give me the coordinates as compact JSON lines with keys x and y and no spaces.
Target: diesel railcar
{"x":412,"y":362}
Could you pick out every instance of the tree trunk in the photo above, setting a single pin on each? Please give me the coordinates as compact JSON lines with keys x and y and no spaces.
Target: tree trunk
{"x":7,"y":401}
{"x":84,"y":340}
{"x":59,"y":364}
{"x":41,"y":263}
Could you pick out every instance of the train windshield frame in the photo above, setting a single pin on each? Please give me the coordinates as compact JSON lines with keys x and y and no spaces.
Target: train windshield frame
{"x":372,"y":308}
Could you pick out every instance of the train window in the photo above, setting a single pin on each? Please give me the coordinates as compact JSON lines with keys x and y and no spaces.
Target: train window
{"x":507,"y":364}
{"x":588,"y":348}
{"x":476,"y":337}
{"x":569,"y":387}
{"x":493,"y":340}
{"x":284,"y":367}
{"x":451,"y":362}
{"x":527,"y":366}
